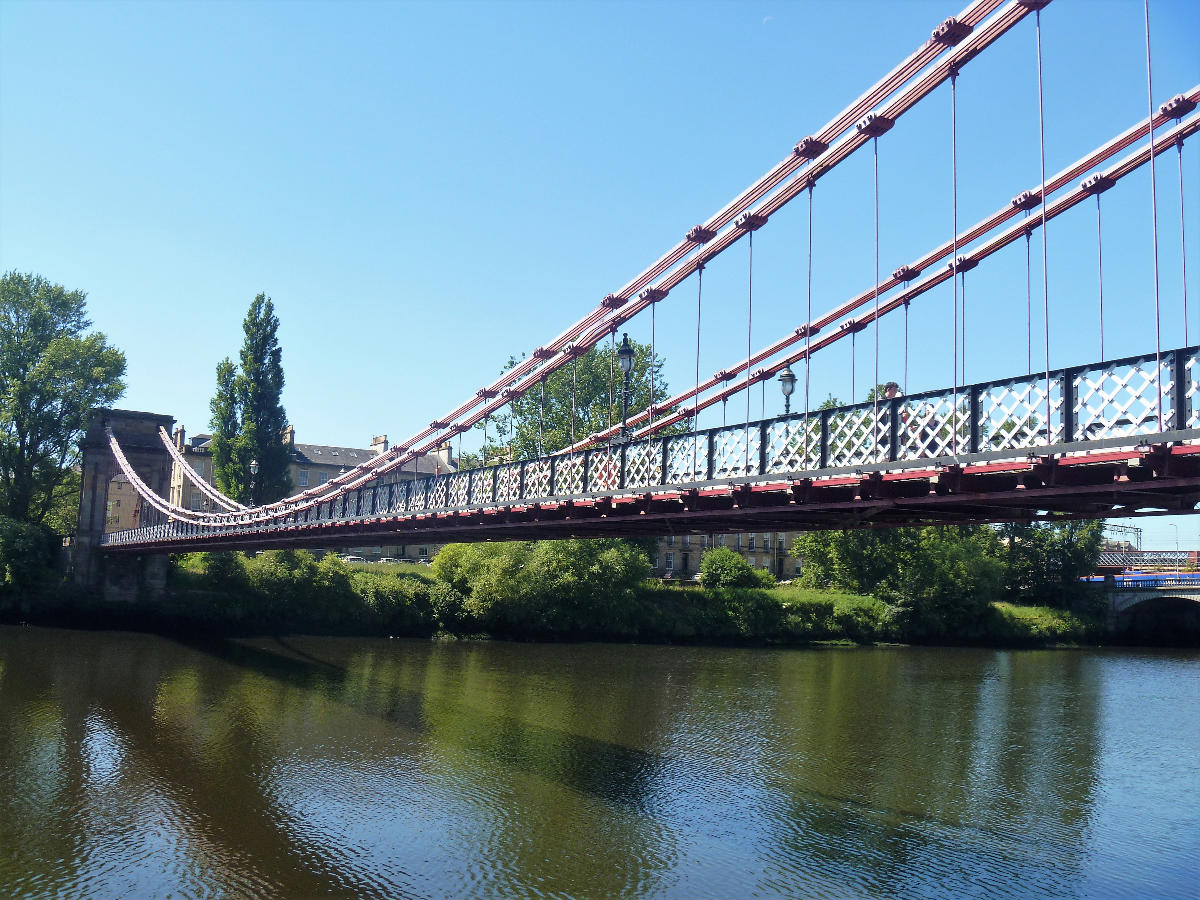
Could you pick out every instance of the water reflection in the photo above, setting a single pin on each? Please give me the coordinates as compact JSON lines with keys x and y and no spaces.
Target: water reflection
{"x":132,"y":765}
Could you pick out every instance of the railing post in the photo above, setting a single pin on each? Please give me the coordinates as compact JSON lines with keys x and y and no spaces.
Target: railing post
{"x":1068,"y":407}
{"x":762,"y":448}
{"x":587,"y":470}
{"x":824,"y":439}
{"x":428,"y":491}
{"x":973,"y":409}
{"x":551,"y":487}
{"x":1179,"y":400}
{"x":666,"y":457}
{"x":470,"y":486}
{"x":893,"y":429}
{"x":621,"y":469}
{"x":495,"y":482}
{"x":712,"y":452}
{"x":521,"y":481}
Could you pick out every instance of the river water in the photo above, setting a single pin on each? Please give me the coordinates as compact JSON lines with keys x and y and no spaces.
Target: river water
{"x":140,"y":766}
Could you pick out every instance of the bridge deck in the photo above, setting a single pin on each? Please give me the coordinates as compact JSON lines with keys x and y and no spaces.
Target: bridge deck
{"x":1073,"y":480}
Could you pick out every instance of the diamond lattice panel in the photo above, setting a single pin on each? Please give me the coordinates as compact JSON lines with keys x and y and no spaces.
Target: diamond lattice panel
{"x":568,"y":475}
{"x":456,"y":493}
{"x":790,"y":448}
{"x":928,"y":424}
{"x":643,"y":464}
{"x":439,"y":496}
{"x":1191,"y":386}
{"x":1115,"y":401}
{"x":851,"y":437}
{"x":537,"y":478}
{"x":508,"y":483}
{"x":687,"y":458}
{"x":1012,"y":414}
{"x":604,"y":469}
{"x":735,"y":452}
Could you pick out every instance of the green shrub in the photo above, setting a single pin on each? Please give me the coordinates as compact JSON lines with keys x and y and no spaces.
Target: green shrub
{"x":26,"y":555}
{"x":721,"y":567}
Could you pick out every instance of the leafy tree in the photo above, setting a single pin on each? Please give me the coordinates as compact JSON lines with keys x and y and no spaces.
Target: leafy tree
{"x":721,"y":567}
{"x":248,"y":416}
{"x":53,"y":373}
{"x":1045,"y":560}
{"x":532,"y":428}
{"x":556,"y":586}
{"x":941,"y":581}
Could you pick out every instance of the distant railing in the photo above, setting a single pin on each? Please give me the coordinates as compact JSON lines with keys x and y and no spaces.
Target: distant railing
{"x":1113,"y":399}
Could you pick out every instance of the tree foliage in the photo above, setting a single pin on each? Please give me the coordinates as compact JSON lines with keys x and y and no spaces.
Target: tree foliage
{"x":248,"y":418}
{"x":942,"y":581}
{"x":533,"y":426}
{"x":53,"y":373}
{"x":566,"y":586}
{"x":721,"y":567}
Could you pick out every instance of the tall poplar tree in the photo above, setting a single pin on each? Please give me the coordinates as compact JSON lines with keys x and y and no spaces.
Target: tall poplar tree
{"x":248,"y":416}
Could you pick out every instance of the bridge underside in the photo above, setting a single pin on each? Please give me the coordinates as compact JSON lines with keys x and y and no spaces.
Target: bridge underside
{"x":1139,"y":481}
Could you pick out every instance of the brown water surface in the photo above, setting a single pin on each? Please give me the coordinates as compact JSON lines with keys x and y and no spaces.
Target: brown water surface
{"x":140,"y":766}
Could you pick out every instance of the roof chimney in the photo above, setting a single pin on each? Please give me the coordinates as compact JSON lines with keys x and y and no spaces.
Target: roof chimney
{"x":289,"y":437}
{"x":379,"y":444}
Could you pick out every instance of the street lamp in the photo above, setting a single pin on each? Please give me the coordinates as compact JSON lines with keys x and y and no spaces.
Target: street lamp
{"x":625,"y":358}
{"x":787,"y":384}
{"x":253,"y":478}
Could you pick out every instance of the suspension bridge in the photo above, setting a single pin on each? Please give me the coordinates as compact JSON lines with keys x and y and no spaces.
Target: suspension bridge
{"x":1114,"y":437}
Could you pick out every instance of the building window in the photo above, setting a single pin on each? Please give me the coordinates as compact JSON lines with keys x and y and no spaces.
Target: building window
{"x":720,"y":540}
{"x":779,"y":540}
{"x":322,"y":478}
{"x":195,"y":499}
{"x":750,"y":543}
{"x":798,"y":567}
{"x":687,"y":540}
{"x":670,"y":562}
{"x":671,"y":541}
{"x":766,"y":541}
{"x":302,"y":478}
{"x":423,"y":552}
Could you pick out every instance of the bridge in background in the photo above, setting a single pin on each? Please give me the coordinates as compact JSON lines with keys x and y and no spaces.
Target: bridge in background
{"x":1117,"y":437}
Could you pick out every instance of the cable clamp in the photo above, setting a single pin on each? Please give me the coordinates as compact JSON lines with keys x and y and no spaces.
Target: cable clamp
{"x":613,"y":301}
{"x":699,"y":234}
{"x":874,"y":124}
{"x":1096,"y":184}
{"x":749,"y":221}
{"x":1027,"y":200}
{"x":951,"y":32}
{"x":809,"y":147}
{"x":652,"y":295}
{"x":1177,"y":107}
{"x":906,"y":273}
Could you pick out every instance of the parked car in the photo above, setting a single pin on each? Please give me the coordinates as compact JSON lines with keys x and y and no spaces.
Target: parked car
{"x":352,"y":559}
{"x":388,"y":559}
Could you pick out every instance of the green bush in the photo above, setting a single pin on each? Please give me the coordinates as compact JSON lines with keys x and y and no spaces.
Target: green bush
{"x":567,"y":586}
{"x":26,"y":555}
{"x":721,"y":567}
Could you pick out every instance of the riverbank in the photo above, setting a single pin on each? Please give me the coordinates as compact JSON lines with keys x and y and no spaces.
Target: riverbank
{"x":294,"y":592}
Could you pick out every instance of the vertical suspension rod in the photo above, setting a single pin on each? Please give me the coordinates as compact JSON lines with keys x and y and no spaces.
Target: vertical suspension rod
{"x":1045,"y":252}
{"x":1154,"y":221}
{"x":954,"y":249}
{"x":1183,"y":244}
{"x":875,"y":389}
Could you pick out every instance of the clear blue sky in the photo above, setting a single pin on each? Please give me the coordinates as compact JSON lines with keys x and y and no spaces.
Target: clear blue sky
{"x":425,"y":189}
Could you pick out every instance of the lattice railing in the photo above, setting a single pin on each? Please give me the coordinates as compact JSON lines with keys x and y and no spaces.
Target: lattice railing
{"x":1114,"y":399}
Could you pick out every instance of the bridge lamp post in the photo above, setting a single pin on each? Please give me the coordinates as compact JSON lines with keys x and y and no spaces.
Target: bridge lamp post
{"x":625,"y":358}
{"x":253,"y":478}
{"x":787,"y":384}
